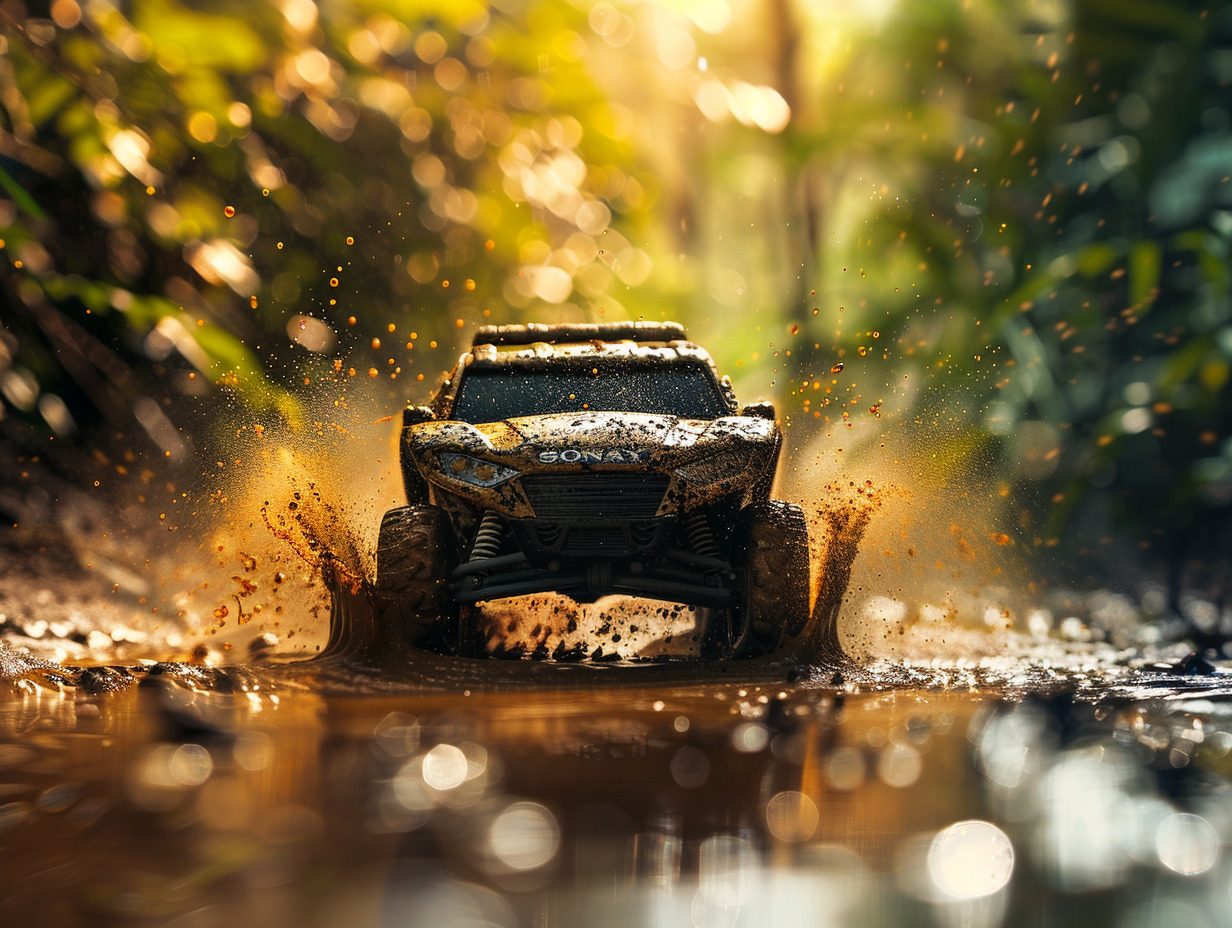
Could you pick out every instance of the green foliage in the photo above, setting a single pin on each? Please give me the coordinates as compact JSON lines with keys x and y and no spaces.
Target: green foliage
{"x":1012,"y":220}
{"x":225,"y":171}
{"x":1070,"y":200}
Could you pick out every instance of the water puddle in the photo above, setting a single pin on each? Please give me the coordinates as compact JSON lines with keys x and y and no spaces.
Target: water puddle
{"x":320,"y":791}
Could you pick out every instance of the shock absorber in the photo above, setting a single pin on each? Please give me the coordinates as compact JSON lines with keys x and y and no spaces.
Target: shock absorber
{"x":701,"y":538}
{"x":489,"y":537}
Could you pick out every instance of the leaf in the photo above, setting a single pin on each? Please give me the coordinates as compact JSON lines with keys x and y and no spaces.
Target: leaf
{"x":1096,"y":258}
{"x":1145,"y":261}
{"x":1183,"y":363}
{"x":20,"y":195}
{"x":227,"y":43}
{"x":235,"y":366}
{"x":47,"y":96}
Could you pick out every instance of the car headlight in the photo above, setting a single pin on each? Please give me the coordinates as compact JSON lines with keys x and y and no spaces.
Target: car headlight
{"x":476,"y":472}
{"x":715,"y":467}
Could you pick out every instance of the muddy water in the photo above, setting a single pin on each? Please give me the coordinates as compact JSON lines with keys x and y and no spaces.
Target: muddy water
{"x":1072,"y":786}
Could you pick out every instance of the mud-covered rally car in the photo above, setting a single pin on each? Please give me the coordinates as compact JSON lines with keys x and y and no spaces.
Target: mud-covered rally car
{"x":592,"y":460}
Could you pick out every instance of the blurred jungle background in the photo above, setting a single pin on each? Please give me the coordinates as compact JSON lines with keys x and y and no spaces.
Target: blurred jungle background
{"x":985,"y":241}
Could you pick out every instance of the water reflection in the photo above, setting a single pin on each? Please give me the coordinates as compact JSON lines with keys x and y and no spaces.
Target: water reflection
{"x":970,"y":859}
{"x":694,"y":803}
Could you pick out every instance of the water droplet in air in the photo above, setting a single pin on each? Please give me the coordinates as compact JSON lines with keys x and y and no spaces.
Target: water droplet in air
{"x":837,"y":368}
{"x":333,"y":281}
{"x":228,"y":211}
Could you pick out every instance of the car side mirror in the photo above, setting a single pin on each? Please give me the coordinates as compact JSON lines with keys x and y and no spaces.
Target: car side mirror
{"x":762,"y":410}
{"x":416,"y":415}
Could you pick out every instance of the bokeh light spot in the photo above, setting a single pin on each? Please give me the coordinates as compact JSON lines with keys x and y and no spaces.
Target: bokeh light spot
{"x":792,"y":816}
{"x":524,"y":836}
{"x":971,"y":859}
{"x":444,"y":767}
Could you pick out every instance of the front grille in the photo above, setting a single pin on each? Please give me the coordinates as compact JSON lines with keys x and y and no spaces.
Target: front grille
{"x":595,"y":497}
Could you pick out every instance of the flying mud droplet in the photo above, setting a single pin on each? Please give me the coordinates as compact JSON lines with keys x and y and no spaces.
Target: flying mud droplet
{"x":316,"y":531}
{"x":837,"y":368}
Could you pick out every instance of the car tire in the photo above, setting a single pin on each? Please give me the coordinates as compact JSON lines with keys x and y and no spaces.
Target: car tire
{"x":770,"y":555}
{"x":416,"y":553}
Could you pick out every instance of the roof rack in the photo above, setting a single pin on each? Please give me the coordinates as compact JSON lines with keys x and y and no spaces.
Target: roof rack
{"x":578,"y":332}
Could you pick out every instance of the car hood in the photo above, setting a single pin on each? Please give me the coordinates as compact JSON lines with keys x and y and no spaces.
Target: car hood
{"x":704,"y":459}
{"x":603,"y":439}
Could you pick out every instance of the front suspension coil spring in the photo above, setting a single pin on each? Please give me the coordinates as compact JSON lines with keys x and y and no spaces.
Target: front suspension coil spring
{"x":701,"y":538}
{"x":489,"y":537}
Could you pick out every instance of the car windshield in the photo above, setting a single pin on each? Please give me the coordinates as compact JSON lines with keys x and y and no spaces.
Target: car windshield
{"x":490,"y":394}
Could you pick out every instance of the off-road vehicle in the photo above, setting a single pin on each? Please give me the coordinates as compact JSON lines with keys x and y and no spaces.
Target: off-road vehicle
{"x":592,"y":460}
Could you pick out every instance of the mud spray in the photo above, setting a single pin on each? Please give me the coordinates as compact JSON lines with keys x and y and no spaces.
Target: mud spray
{"x":298,"y":511}
{"x":318,"y":515}
{"x":914,"y":528}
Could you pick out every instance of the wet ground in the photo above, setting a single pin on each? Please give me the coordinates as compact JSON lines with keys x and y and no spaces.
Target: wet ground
{"x":1061,"y":782}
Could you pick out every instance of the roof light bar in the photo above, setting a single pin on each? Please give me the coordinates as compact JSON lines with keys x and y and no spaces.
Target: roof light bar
{"x":578,"y":332}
